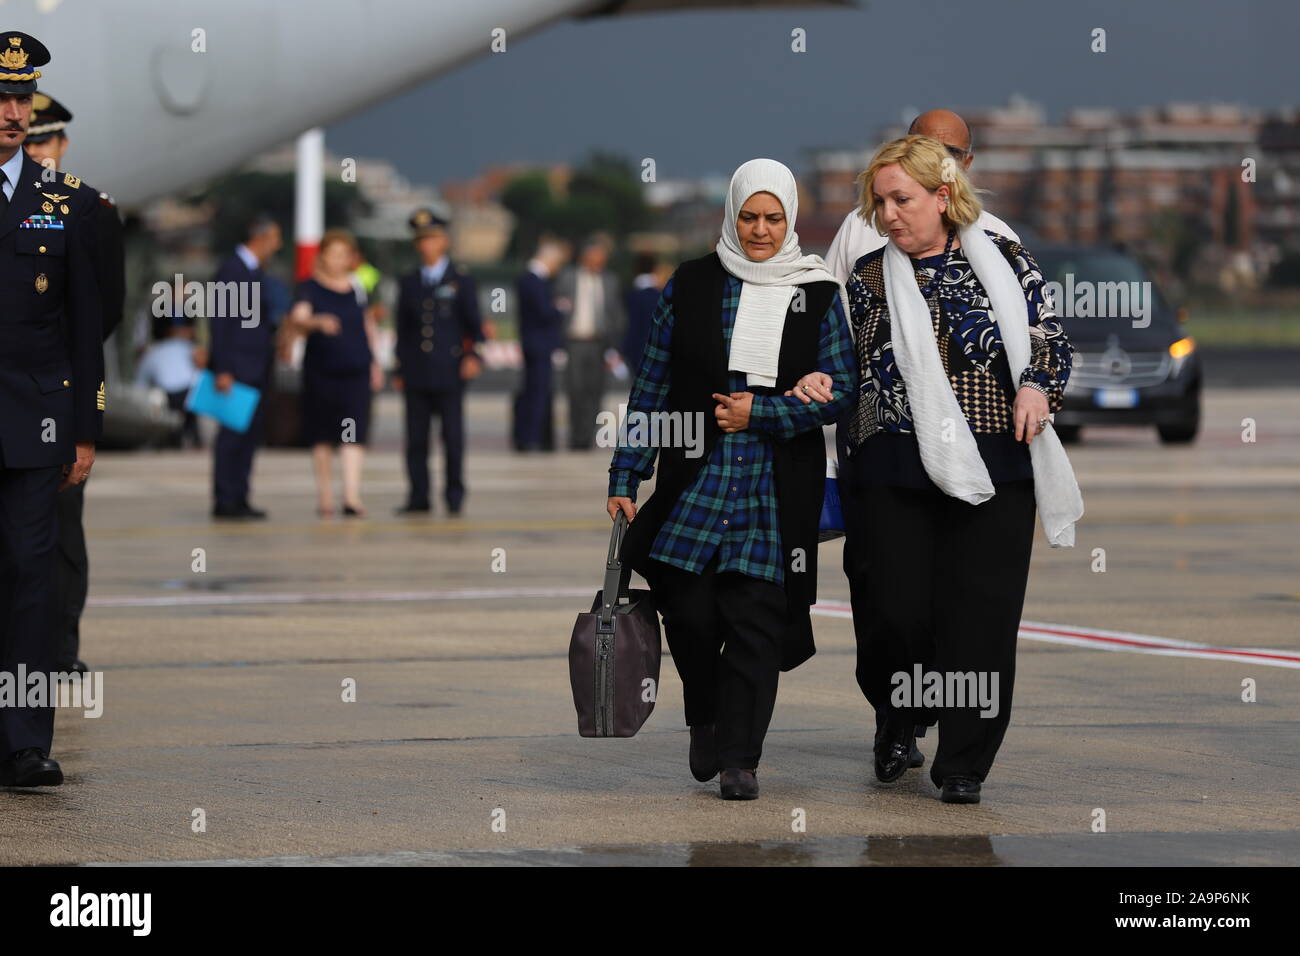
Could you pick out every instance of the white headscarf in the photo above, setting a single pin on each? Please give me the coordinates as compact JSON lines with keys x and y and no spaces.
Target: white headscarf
{"x":768,"y":285}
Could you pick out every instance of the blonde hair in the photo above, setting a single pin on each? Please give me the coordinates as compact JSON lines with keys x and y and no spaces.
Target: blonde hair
{"x":928,"y":162}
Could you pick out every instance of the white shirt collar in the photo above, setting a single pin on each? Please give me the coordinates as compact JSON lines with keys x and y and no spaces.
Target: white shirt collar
{"x":13,"y":170}
{"x":433,"y":274}
{"x":246,"y":254}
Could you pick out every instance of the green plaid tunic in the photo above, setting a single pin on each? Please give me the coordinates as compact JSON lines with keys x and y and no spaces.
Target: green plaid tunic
{"x":730,"y":511}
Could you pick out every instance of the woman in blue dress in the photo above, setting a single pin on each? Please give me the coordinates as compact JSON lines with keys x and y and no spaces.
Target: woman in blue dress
{"x":339,"y":371}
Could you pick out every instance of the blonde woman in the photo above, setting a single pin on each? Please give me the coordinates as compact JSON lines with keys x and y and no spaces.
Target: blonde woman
{"x":949,"y":452}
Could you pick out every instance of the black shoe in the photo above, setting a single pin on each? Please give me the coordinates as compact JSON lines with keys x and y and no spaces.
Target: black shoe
{"x":704,"y":753}
{"x":412,"y":509}
{"x":351,"y":512}
{"x":893,"y":751}
{"x":915,"y":758}
{"x":738,"y":784}
{"x":454,"y":510}
{"x":240,"y":512}
{"x":960,"y":789}
{"x":30,"y":768}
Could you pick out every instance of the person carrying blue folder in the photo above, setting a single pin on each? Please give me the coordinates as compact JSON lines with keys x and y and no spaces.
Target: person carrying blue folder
{"x":242,"y":349}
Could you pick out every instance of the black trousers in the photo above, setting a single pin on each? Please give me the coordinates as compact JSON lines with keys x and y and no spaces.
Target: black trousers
{"x":421,"y":405}
{"x":232,"y":458}
{"x":28,"y":595}
{"x":939,"y":583}
{"x":535,"y":400}
{"x":189,"y":431}
{"x":585,"y":377}
{"x":74,"y":573}
{"x":725,"y":632}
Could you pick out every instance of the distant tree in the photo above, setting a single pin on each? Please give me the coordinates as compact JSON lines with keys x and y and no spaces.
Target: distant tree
{"x":604,"y":195}
{"x":528,"y":198}
{"x":241,"y":196}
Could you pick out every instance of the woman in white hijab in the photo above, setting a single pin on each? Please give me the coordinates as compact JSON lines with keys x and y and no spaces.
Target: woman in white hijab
{"x":962,"y":362}
{"x":728,"y":540}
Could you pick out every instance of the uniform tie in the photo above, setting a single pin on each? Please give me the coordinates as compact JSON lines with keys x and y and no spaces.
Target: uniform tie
{"x":4,"y":200}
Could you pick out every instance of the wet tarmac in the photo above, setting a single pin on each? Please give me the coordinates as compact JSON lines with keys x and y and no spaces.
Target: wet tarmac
{"x":226,"y":735}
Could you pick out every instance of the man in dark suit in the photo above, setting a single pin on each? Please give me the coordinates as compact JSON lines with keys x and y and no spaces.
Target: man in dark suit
{"x":541,"y":328}
{"x":242,"y":349}
{"x":438,"y":325}
{"x":648,"y":284}
{"x":47,"y":142}
{"x":51,"y":398}
{"x":594,"y":325}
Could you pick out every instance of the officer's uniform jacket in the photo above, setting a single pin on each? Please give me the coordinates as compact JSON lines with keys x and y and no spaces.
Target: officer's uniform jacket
{"x":51,"y":356}
{"x":433,"y":325}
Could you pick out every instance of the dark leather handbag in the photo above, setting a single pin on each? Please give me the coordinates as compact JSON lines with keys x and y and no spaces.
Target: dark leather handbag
{"x":614,"y":653}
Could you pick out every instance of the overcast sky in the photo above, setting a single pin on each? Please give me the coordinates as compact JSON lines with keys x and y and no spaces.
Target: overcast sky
{"x":702,"y":92}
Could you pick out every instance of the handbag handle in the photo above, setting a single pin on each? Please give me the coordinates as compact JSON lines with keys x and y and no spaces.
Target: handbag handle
{"x":616,"y":576}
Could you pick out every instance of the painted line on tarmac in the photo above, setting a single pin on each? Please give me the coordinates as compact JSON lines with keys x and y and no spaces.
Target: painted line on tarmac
{"x":1093,"y":638}
{"x":1100,"y":640}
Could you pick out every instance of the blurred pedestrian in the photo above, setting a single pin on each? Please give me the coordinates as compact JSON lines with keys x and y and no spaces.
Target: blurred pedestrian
{"x":242,"y":349}
{"x":339,"y":371}
{"x":169,"y":364}
{"x":651,"y":277}
{"x":588,"y":296}
{"x":438,"y":325}
{"x":541,"y":333}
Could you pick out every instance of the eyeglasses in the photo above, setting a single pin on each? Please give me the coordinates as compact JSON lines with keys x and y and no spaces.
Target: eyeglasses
{"x":957,"y":154}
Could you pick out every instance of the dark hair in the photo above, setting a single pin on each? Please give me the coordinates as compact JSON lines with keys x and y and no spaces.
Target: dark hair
{"x":645,"y":262}
{"x":259,"y":225}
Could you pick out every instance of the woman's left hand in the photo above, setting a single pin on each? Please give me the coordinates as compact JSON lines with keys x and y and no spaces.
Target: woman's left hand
{"x":732,"y":412}
{"x":1030,"y":408}
{"x":376,"y":377}
{"x":813,"y":387}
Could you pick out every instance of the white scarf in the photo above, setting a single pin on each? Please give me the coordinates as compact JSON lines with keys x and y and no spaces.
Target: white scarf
{"x":956,"y":466}
{"x":768,"y":285}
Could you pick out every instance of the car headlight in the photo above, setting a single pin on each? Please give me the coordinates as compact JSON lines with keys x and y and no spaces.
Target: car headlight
{"x":1179,"y":351}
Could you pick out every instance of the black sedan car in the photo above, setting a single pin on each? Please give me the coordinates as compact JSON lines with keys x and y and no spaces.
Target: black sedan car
{"x":1134,"y":363}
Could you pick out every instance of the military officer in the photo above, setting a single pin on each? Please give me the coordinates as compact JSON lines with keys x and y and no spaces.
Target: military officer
{"x":438,"y":326}
{"x":51,"y":398}
{"x":47,"y":142}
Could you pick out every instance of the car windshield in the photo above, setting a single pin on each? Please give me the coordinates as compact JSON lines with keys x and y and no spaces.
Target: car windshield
{"x":1094,"y":268}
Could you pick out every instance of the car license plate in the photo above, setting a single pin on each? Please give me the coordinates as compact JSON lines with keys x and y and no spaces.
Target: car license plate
{"x":1115,"y":397}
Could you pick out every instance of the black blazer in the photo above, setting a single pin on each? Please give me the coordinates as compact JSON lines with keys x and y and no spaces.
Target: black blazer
{"x":246,"y":352}
{"x":51,"y":351}
{"x":540,"y":322}
{"x":450,"y":313}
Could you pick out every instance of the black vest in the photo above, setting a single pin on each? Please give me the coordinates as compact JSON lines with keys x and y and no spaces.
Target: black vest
{"x":699,"y":368}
